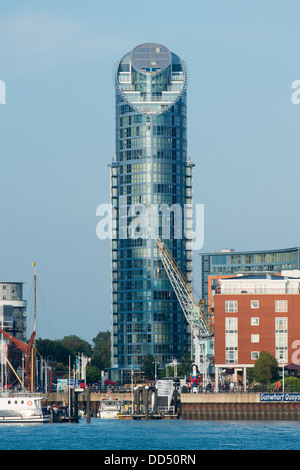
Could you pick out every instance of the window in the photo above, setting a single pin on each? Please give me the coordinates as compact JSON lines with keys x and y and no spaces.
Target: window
{"x":254,"y":321}
{"x":231,"y":340}
{"x":254,"y":355}
{"x":281,"y":305}
{"x":254,"y":338}
{"x":231,"y":306}
{"x":281,"y":339}
{"x":254,"y":303}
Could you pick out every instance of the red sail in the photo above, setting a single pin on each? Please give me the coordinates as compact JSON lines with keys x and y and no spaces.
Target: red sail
{"x":26,"y":348}
{"x":23,"y":346}
{"x":28,"y":362}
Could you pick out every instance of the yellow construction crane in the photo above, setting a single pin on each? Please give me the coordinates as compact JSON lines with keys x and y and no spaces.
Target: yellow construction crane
{"x":194,"y":311}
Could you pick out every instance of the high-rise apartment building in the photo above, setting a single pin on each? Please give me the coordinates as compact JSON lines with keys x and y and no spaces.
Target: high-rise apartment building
{"x":151,"y":182}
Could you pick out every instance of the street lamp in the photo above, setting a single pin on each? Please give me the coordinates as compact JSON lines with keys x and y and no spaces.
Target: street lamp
{"x":283,"y":362}
{"x":174,"y":364}
{"x":155,"y":369}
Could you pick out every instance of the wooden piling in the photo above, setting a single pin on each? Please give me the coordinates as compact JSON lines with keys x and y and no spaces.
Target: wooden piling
{"x":88,"y":405}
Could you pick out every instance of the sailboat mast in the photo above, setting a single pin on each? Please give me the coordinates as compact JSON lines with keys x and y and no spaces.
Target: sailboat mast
{"x":34,"y":329}
{"x":34,"y":321}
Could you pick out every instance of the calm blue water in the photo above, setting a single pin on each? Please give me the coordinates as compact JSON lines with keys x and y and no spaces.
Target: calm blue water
{"x":152,"y":435}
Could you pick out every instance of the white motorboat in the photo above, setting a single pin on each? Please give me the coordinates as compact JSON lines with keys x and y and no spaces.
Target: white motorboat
{"x":109,"y":409}
{"x":23,"y":408}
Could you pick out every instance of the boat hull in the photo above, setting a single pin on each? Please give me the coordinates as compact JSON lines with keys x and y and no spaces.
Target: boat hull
{"x":23,"y":408}
{"x":109,"y":414}
{"x":25,"y":419}
{"x":109,"y":409}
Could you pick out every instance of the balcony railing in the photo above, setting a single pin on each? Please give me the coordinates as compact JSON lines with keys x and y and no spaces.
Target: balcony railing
{"x":260,"y":388}
{"x":227,"y":291}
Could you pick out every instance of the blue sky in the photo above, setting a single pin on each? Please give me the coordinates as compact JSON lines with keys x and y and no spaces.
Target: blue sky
{"x":57,"y":136}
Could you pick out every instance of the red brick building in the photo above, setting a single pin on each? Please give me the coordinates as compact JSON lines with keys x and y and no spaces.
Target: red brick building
{"x":254,"y":314}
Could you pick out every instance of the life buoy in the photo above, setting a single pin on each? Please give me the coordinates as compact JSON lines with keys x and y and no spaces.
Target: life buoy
{"x":29,"y":403}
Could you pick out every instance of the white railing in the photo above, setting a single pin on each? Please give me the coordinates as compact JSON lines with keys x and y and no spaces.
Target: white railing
{"x":260,"y":291}
{"x":165,"y":409}
{"x":165,"y":388}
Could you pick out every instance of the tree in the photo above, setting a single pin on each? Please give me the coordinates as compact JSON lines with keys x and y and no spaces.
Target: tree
{"x":62,"y":350}
{"x":93,"y":374}
{"x":148,"y":367}
{"x":250,"y":375}
{"x":185,"y":365}
{"x":53,"y":350}
{"x":77,"y":345}
{"x":101,"y":356}
{"x":265,"y":368}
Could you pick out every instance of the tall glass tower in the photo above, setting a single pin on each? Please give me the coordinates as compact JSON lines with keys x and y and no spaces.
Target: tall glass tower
{"x":150,"y":174}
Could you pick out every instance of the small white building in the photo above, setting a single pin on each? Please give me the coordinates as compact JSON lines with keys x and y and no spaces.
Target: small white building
{"x":262,"y":283}
{"x":13,"y":314}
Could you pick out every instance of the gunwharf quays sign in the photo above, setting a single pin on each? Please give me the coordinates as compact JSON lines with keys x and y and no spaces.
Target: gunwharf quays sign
{"x":280,"y":397}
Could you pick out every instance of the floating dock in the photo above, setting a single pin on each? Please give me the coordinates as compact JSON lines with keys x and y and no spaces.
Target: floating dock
{"x":64,"y":419}
{"x":148,"y":417}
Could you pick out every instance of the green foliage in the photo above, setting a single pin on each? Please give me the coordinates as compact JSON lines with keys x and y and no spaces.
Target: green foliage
{"x":53,"y":350}
{"x":93,"y":374}
{"x":148,"y":367}
{"x":250,"y":375}
{"x":76,"y":345}
{"x":70,"y":346}
{"x":185,"y":366}
{"x":101,"y":354}
{"x":265,"y":368}
{"x":290,"y":383}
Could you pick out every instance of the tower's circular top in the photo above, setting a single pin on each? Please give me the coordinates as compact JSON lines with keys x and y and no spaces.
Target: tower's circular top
{"x":151,"y":78}
{"x":151,"y":58}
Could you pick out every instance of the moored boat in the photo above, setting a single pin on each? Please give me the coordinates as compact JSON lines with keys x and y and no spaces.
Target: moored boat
{"x":26,"y":406}
{"x":109,"y":409}
{"x":23,"y":408}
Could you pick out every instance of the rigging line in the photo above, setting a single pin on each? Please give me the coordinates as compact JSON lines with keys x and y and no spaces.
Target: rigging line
{"x":47,"y":316}
{"x":30,"y":306}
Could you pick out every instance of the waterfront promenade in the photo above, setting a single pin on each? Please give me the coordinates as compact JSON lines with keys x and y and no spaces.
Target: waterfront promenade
{"x":206,"y":406}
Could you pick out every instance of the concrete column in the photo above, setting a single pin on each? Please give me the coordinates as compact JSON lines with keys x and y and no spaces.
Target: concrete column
{"x":235,"y":376}
{"x":216,"y":378}
{"x":245,"y":378}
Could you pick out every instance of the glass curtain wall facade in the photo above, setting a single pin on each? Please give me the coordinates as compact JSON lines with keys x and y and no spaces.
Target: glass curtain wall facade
{"x":227,"y":263}
{"x":150,"y":169}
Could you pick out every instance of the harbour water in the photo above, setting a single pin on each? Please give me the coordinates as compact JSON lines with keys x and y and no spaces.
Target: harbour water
{"x":152,"y":435}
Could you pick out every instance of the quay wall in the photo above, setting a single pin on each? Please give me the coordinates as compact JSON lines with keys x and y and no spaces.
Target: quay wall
{"x":202,"y":406}
{"x":95,"y":399}
{"x":236,"y":406}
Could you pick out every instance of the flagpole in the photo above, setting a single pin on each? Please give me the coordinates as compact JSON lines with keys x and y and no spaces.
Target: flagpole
{"x":132,"y":412}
